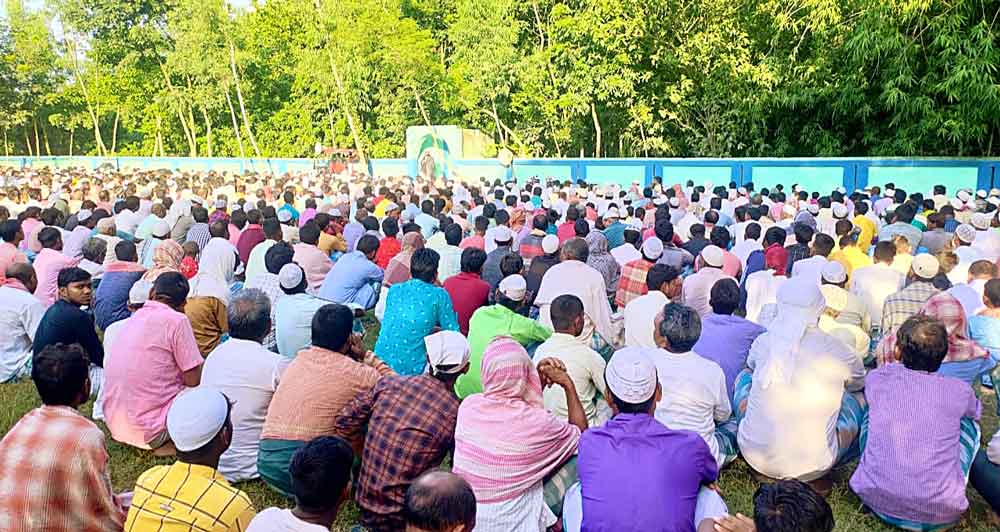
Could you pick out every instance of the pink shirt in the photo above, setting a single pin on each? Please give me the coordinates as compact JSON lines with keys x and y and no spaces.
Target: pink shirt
{"x":48,"y":262}
{"x":474,"y":241}
{"x":9,"y":254}
{"x":144,"y":372}
{"x":731,"y":264}
{"x":697,"y":288}
{"x":314,"y":262}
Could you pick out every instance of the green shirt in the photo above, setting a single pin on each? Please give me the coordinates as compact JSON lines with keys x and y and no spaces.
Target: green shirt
{"x":486,"y":324}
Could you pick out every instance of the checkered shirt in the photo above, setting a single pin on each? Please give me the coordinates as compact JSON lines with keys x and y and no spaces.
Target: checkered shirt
{"x":633,"y":281}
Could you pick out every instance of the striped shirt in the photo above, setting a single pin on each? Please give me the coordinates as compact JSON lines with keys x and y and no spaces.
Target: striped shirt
{"x":187,"y":498}
{"x":905,"y":303}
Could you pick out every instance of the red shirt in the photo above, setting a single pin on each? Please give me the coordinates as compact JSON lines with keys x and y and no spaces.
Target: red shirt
{"x":468,"y":292}
{"x":566,"y":231}
{"x":252,"y":235}
{"x":387,"y":249}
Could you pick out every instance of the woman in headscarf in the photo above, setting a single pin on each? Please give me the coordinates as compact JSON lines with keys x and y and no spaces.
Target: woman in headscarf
{"x":762,"y":285}
{"x":965,"y":360}
{"x":800,"y":403}
{"x":166,"y":258}
{"x":601,"y":260}
{"x":209,"y":294}
{"x":398,"y":270}
{"x":514,"y":484}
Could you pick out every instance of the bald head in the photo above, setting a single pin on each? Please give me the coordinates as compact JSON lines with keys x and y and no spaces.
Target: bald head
{"x":439,"y":501}
{"x":22,"y":272}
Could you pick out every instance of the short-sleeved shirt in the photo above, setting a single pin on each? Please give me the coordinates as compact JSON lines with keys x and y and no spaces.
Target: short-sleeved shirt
{"x":146,"y":372}
{"x":637,"y":474}
{"x":413,"y":309}
{"x":187,"y":498}
{"x":486,"y":324}
{"x":293,"y":322}
{"x":910,"y":467}
{"x":726,"y":340}
{"x":47,"y":265}
{"x":468,"y":292}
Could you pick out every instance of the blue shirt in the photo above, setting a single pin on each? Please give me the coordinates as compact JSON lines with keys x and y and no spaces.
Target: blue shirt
{"x":291,"y":210}
{"x":412,"y":310}
{"x":111,"y":297}
{"x":348,"y":276}
{"x":293,"y":315}
{"x":428,"y":224}
{"x":615,"y":233}
{"x":637,"y":474}
{"x":726,"y":340}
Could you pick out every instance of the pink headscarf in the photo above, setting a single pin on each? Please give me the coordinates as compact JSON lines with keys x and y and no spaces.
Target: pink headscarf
{"x":945,"y":308}
{"x":776,"y":258}
{"x":505,"y":440}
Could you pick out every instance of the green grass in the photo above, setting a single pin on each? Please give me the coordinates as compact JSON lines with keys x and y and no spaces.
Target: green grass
{"x":128,"y":463}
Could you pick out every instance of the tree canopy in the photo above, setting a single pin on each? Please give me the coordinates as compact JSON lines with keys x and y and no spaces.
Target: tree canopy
{"x":544,"y":78}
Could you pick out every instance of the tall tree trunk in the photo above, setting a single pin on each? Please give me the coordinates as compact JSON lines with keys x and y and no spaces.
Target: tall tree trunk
{"x":45,"y":137}
{"x":329,"y":118}
{"x":114,"y":135}
{"x":27,"y":141}
{"x":101,"y":149}
{"x":597,"y":130}
{"x":236,"y":125}
{"x":208,"y":130}
{"x":71,"y":131}
{"x":38,"y":149}
{"x":188,"y":131}
{"x":6,"y":148}
{"x":342,"y":98}
{"x":239,"y":97}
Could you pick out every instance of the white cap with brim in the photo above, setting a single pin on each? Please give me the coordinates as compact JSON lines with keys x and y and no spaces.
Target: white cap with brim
{"x":631,"y":375}
{"x":652,"y":248}
{"x":447,"y":348}
{"x":196,"y":417}
{"x":925,"y":266}
{"x":514,"y":287}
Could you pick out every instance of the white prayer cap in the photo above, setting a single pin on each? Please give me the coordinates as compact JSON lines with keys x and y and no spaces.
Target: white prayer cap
{"x":290,"y":276}
{"x":161,"y":228}
{"x":992,"y":200}
{"x":713,"y":256}
{"x":842,"y":190}
{"x":956,"y":203}
{"x":813,"y":208}
{"x":963,"y":196}
{"x":334,"y":212}
{"x":196,"y":417}
{"x":284,"y":216}
{"x":966,"y":233}
{"x":634,"y":225}
{"x":447,"y":348}
{"x":981,"y":221}
{"x":659,"y":200}
{"x":237,"y":207}
{"x":834,"y":272}
{"x":631,"y":375}
{"x":839,"y":210}
{"x":981,"y":194}
{"x":197,"y":199}
{"x":502,"y":233}
{"x":514,"y":287}
{"x":391,"y":207}
{"x":674,"y":202}
{"x":925,"y":265}
{"x":612,"y":213}
{"x":550,"y":244}
{"x":652,"y":248}
{"x":139,"y":293}
{"x":742,"y":191}
{"x":995,"y":192}
{"x":83,"y":215}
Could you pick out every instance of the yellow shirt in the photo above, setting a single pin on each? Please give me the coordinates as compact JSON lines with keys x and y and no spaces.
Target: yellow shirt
{"x":867,"y":227}
{"x":187,"y":498}
{"x":851,"y":258}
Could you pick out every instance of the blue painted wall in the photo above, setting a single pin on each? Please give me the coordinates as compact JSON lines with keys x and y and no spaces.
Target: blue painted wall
{"x":915,"y":175}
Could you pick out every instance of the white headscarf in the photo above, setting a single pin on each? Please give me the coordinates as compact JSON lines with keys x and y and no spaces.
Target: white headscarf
{"x":216,"y":269}
{"x":800,"y":304}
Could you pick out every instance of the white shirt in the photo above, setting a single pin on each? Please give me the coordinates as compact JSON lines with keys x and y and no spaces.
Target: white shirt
{"x":743,"y":250}
{"x":988,"y":243}
{"x":873,"y":284}
{"x":248,"y":374}
{"x":970,"y":295}
{"x":811,"y":268}
{"x":281,"y":520}
{"x":126,"y":221}
{"x":966,"y":256}
{"x":639,"y":316}
{"x":762,"y":289}
{"x":694,"y":395}
{"x":110,"y":335}
{"x":20,"y":314}
{"x":585,"y":368}
{"x":255,"y":262}
{"x":625,"y":254}
{"x":790,"y":429}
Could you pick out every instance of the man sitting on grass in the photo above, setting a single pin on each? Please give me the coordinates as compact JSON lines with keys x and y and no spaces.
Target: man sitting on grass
{"x":439,"y":501}
{"x":915,"y":420}
{"x":191,"y":494}
{"x":784,"y":506}
{"x":53,"y":463}
{"x":321,"y":482}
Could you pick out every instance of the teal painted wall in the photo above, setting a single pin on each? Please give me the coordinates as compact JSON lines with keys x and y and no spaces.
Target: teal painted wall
{"x":923,"y":178}
{"x":717,"y":175}
{"x":810,"y":177}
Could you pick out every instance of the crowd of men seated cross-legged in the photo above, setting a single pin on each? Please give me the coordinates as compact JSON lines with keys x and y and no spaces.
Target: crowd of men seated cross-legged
{"x":547,"y":355}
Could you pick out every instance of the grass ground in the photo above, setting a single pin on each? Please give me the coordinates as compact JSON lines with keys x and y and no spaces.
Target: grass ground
{"x":738,"y":488}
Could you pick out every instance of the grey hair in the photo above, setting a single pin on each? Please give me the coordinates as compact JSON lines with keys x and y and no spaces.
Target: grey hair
{"x":576,"y":249}
{"x":681,"y":326}
{"x":95,"y":250}
{"x":249,"y":315}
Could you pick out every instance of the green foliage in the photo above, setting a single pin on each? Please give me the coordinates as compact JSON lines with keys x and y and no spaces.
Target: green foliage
{"x":623,"y":78}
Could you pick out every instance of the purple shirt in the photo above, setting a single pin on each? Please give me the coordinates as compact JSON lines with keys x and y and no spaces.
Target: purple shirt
{"x":726,"y":340}
{"x":352,"y":233}
{"x":636,"y":474}
{"x":910,"y":466}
